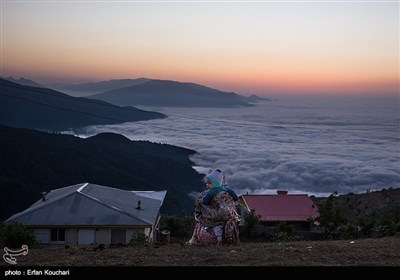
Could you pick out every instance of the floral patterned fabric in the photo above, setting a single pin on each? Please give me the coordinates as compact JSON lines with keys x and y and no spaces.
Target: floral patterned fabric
{"x":220,"y":212}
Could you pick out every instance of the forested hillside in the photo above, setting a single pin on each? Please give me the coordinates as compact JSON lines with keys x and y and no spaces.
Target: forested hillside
{"x":33,"y":162}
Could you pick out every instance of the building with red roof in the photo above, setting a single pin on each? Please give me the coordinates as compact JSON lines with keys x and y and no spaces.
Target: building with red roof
{"x":295,"y":209}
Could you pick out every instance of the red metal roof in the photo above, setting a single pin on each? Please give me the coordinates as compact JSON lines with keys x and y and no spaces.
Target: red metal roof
{"x":281,"y":207}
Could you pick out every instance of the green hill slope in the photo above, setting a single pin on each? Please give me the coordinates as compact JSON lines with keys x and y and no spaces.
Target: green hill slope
{"x":33,"y":162}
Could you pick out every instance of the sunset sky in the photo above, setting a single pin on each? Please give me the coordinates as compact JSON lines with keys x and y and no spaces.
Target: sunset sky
{"x":246,"y":47}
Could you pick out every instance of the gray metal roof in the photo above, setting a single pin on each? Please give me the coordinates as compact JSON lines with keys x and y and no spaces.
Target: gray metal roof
{"x":90,"y":204}
{"x":159,"y":195}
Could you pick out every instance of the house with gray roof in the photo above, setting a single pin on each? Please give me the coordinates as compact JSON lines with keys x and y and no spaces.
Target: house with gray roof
{"x":92,"y":214}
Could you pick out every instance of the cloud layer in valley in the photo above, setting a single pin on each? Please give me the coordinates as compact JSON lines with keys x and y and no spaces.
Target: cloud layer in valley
{"x":297,"y":145}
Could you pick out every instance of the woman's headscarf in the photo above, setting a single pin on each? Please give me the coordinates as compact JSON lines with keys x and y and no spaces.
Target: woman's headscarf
{"x":216,"y":177}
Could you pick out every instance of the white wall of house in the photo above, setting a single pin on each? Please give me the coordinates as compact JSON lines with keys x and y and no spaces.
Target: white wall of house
{"x":118,"y":236}
{"x":147,"y":232}
{"x":103,"y":236}
{"x":42,"y":235}
{"x":129,"y":234}
{"x":45,"y":236}
{"x":71,"y":236}
{"x":86,"y":236}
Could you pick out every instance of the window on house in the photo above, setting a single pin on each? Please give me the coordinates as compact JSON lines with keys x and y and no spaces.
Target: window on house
{"x":118,"y":236}
{"x":57,"y":234}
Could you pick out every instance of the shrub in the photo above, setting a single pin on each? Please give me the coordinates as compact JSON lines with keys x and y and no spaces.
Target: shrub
{"x":347,"y":231}
{"x":251,"y":219}
{"x":330,"y":217}
{"x":179,"y":226}
{"x":284,"y":236}
{"x":286,"y":233}
{"x":139,"y":239}
{"x":2,"y":234}
{"x":15,"y":235}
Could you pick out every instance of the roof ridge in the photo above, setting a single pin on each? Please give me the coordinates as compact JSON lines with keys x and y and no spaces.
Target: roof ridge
{"x":82,"y":187}
{"x":29,"y":210}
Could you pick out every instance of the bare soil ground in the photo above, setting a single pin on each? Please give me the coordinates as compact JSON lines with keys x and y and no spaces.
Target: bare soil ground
{"x":362,"y":252}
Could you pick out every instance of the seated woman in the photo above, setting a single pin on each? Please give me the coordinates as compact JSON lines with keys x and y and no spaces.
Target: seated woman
{"x":215,"y":213}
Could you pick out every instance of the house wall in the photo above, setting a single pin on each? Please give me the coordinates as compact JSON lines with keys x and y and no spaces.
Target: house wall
{"x":268,"y":229}
{"x":298,"y":225}
{"x":147,"y":232}
{"x":71,"y":237}
{"x":42,"y":235}
{"x":129,"y":234}
{"x":103,"y":236}
{"x":86,"y":236}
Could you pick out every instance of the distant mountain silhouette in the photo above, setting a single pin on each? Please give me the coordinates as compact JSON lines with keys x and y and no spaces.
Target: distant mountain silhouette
{"x":85,"y":89}
{"x":171,"y":94}
{"x":46,"y":109}
{"x":23,"y":81}
{"x":254,"y":98}
{"x":33,"y":161}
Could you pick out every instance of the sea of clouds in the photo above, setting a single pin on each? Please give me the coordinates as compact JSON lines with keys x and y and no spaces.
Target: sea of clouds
{"x":303,"y":145}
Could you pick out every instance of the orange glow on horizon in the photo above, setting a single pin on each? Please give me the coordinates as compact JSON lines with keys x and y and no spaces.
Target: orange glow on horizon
{"x":318,"y":48}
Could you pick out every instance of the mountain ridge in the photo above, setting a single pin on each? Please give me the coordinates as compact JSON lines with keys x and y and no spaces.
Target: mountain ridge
{"x":22,"y":81}
{"x":46,"y":109}
{"x":167,"y":93}
{"x":90,"y":88}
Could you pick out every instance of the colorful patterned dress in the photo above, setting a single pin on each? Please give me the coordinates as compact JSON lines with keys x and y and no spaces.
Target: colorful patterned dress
{"x":220,"y":212}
